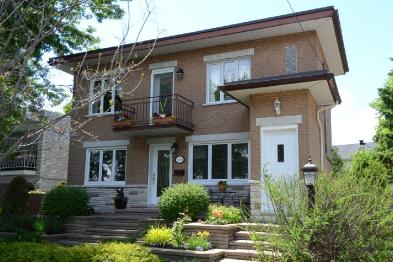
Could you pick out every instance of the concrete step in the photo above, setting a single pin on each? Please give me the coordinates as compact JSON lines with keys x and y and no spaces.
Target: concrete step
{"x":134,"y":210}
{"x":260,"y":227}
{"x":94,"y":237}
{"x":112,"y":231}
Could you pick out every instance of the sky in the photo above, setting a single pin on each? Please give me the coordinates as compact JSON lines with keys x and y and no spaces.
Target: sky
{"x":366,"y":28}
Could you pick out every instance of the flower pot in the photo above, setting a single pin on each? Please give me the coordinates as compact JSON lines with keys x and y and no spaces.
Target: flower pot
{"x":121,"y":124}
{"x":164,"y":120}
{"x":121,"y":203}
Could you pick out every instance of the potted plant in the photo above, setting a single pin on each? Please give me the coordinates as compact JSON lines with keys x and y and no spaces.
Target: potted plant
{"x":163,"y":118}
{"x":121,"y":121}
{"x":120,"y":200}
{"x":222,"y":186}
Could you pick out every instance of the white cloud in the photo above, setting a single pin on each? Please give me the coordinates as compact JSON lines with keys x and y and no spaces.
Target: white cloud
{"x":351,"y":122}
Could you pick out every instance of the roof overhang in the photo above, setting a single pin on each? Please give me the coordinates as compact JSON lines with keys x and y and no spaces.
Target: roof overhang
{"x":324,"y":21}
{"x":321,"y":84}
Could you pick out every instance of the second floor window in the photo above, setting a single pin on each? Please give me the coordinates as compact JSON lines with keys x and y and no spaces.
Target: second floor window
{"x":106,"y":96}
{"x":222,"y":72}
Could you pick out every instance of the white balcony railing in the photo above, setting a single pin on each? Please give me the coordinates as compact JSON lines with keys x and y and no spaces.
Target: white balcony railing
{"x":18,"y":163}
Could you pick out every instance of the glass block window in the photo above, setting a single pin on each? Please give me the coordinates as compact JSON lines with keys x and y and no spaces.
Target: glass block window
{"x":290,"y":60}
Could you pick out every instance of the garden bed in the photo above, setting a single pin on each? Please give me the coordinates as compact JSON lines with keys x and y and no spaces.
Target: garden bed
{"x":171,"y":254}
{"x":220,"y":235}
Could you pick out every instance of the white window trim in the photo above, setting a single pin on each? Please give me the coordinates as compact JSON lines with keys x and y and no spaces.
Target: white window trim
{"x":229,"y":55}
{"x":102,"y":183}
{"x":210,"y":180}
{"x":91,"y":87}
{"x":221,"y":62}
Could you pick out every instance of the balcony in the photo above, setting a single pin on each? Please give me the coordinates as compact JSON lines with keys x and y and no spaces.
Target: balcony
{"x":20,"y":165}
{"x":155,"y":116}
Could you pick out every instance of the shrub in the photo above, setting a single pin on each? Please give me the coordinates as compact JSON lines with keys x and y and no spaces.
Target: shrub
{"x":15,"y":197}
{"x":221,"y":215}
{"x":119,"y":252}
{"x":190,"y":199}
{"x":199,"y":242}
{"x":351,"y":219}
{"x":159,"y":236}
{"x":65,"y":201}
{"x":177,"y":230}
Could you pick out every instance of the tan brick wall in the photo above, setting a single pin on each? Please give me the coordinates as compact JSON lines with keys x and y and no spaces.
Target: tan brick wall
{"x":228,"y":118}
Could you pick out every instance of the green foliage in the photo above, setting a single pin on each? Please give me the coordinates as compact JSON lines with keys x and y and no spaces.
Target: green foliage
{"x":384,"y":133}
{"x":220,"y":215}
{"x":42,"y":252}
{"x":351,"y":220}
{"x":366,"y":164}
{"x":177,"y":230}
{"x":336,"y":161}
{"x":159,"y":236}
{"x":190,"y":199}
{"x":26,"y":81}
{"x":15,"y":197}
{"x":198,"y":242}
{"x":67,"y":108}
{"x":65,"y":201}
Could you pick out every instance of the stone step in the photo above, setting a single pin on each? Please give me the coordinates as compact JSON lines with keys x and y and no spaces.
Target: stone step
{"x":112,"y":231}
{"x":134,"y":210}
{"x":260,"y":227}
{"x":233,"y":260}
{"x":246,"y":235}
{"x":242,"y":244}
{"x":241,"y":254}
{"x":94,"y":237}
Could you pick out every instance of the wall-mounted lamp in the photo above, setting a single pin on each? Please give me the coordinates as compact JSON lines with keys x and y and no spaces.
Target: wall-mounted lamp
{"x":174,"y":148}
{"x":277,"y":106}
{"x":180,"y":73}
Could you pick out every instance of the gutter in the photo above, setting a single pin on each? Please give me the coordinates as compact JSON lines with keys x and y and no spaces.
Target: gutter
{"x":321,"y":130}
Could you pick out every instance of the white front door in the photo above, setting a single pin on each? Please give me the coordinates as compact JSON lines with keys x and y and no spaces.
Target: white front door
{"x":160,"y":171}
{"x":279,"y":148}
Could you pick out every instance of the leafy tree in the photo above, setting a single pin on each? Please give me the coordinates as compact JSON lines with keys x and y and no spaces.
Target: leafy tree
{"x":384,"y":133}
{"x":30,"y":29}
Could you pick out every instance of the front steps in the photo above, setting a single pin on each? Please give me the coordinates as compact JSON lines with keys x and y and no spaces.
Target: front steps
{"x":124,"y":225}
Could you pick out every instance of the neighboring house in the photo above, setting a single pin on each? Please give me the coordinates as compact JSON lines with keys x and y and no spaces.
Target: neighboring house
{"x":43,"y":160}
{"x":273,"y":111}
{"x":347,"y":151}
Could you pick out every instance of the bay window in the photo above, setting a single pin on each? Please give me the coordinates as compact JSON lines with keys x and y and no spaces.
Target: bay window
{"x":222,"y":72}
{"x":106,"y":99}
{"x":219,"y":161}
{"x":106,"y":166}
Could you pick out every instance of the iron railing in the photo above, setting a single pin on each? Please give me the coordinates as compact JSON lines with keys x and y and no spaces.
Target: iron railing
{"x":144,"y":111}
{"x":18,"y":163}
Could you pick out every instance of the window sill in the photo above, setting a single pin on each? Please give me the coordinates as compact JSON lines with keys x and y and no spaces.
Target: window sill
{"x":99,"y":115}
{"x":220,"y":103}
{"x":113,"y":184}
{"x":212,"y":182}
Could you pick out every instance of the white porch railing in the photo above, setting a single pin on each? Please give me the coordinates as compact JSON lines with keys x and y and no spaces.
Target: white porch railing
{"x":18,"y":163}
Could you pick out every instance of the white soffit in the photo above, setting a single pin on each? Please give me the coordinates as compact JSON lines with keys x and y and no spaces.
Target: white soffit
{"x":319,"y":90}
{"x":323,"y":26}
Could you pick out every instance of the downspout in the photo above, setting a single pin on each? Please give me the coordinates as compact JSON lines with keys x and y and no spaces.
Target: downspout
{"x":321,"y":131}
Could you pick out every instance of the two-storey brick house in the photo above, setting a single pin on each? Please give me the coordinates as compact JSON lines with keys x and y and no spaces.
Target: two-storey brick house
{"x":219,"y":104}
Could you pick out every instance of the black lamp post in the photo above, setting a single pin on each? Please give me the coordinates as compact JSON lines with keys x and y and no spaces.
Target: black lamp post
{"x":310,"y":171}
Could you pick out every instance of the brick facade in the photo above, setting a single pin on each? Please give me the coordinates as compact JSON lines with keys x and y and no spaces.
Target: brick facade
{"x":268,"y":60}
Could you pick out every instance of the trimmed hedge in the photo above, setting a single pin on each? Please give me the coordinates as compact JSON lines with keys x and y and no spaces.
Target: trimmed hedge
{"x":15,"y":197}
{"x":40,"y":252}
{"x":66,"y":201}
{"x":190,"y":199}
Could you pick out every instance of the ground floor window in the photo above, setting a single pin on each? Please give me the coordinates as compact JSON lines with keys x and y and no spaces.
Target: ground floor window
{"x":106,"y":166}
{"x":219,"y":161}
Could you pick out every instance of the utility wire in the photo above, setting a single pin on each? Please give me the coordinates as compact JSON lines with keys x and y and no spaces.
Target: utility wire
{"x":304,"y":32}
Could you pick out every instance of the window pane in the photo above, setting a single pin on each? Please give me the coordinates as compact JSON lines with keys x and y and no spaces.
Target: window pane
{"x":244,"y":69}
{"x":163,"y":170}
{"x":108,"y":102}
{"x":120,"y":165}
{"x":280,"y":153}
{"x":107,"y":159}
{"x":94,"y":165}
{"x":290,"y":60}
{"x":199,"y":162}
{"x":118,"y":100}
{"x":214,"y":81}
{"x":96,"y":105}
{"x":220,"y":161}
{"x":230,"y":72}
{"x":240,"y":161}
